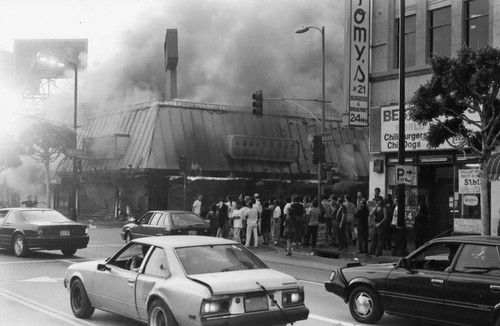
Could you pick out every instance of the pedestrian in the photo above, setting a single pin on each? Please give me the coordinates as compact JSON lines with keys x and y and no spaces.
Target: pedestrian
{"x":286,"y":210}
{"x":333,"y":200}
{"x":362,"y":225}
{"x":276,"y":223}
{"x":380,"y":218}
{"x":340,"y":224}
{"x":390,"y":235}
{"x":237,"y":222}
{"x":197,"y":205}
{"x":313,"y":224}
{"x":376,"y":193}
{"x":231,"y":206}
{"x":420,"y":224}
{"x":359,"y":199}
{"x":327,"y":216}
{"x":252,"y":217}
{"x":350,"y":226}
{"x":299,"y":212}
{"x":265,"y":223}
{"x":399,"y":233}
{"x":243,"y":215}
{"x":257,"y":203}
{"x":213,"y":220}
{"x":289,"y":232}
{"x":222,"y":219}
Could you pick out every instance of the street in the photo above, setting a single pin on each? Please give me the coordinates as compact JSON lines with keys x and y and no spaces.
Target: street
{"x":32,"y":291}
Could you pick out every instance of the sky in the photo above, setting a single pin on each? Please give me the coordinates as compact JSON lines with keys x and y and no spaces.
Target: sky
{"x":227,"y":48}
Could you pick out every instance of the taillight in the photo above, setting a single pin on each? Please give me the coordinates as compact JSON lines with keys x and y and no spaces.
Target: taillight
{"x":292,"y":298}
{"x":214,"y":307}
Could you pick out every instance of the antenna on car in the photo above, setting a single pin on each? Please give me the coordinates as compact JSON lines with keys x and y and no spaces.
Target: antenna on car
{"x":273,"y":300}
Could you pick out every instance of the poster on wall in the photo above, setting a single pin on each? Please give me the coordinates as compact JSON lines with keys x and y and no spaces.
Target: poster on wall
{"x":469,"y":181}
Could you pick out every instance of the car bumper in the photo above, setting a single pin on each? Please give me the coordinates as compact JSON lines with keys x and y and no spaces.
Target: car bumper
{"x":337,"y":286}
{"x":58,"y":243}
{"x":286,"y":316}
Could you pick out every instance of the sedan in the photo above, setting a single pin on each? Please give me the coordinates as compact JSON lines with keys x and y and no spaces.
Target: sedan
{"x":186,"y":280}
{"x":155,"y":223}
{"x":25,"y":229}
{"x":451,"y":280}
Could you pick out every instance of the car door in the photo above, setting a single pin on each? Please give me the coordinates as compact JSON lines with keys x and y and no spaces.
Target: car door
{"x":114,"y":287}
{"x":6,"y":228}
{"x":152,"y":228}
{"x":140,"y":229}
{"x":154,"y":270}
{"x":418,"y":289}
{"x":473,"y":288}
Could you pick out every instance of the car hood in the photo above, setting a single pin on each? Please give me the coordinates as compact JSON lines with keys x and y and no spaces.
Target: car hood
{"x":365,"y":270}
{"x":246,"y":281}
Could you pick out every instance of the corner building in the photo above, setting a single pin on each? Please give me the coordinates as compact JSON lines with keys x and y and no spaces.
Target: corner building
{"x":445,"y":177}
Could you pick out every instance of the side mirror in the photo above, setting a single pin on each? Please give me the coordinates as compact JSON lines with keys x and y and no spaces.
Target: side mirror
{"x":103,"y":267}
{"x":404,"y":263}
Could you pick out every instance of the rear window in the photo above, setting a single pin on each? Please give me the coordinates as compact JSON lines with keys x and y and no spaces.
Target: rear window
{"x":216,"y":259}
{"x":44,"y":216}
{"x":186,"y":219}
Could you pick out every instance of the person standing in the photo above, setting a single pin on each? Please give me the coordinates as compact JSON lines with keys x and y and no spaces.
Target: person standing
{"x":252,"y":217}
{"x":420,"y":224}
{"x":289,"y":232}
{"x":313,"y":224}
{"x":350,"y":227}
{"x":276,"y":223}
{"x":332,"y":231}
{"x":362,"y":223}
{"x":197,"y":205}
{"x":213,"y":220}
{"x":299,"y":212}
{"x":381,"y":217}
{"x":359,"y":199}
{"x":243,"y":215}
{"x":340,"y":224}
{"x":236,"y":218}
{"x":265,"y":223}
{"x":222,"y":219}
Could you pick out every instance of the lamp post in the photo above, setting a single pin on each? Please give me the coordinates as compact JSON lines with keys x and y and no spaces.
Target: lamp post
{"x":60,"y":65}
{"x":301,"y":30}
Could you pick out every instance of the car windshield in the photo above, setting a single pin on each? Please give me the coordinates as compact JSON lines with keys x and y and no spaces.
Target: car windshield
{"x":216,"y":259}
{"x":44,"y":216}
{"x":186,"y":219}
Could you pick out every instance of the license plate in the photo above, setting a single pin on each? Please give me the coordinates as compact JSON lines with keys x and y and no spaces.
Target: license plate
{"x":192,"y":233}
{"x":256,"y":303}
{"x":64,"y":233}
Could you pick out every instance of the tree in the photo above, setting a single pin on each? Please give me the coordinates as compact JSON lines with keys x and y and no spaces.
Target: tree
{"x":45,"y":143}
{"x":460,"y":105}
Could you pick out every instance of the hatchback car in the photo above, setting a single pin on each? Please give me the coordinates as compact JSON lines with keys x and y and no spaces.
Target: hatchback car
{"x":186,"y":280}
{"x":155,"y":223}
{"x":452,"y":280}
{"x":25,"y":229}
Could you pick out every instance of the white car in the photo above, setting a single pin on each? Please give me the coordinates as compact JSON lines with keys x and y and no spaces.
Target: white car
{"x":186,"y":280}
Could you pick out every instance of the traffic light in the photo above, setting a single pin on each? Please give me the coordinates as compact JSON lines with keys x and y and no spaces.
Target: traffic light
{"x":257,"y":103}
{"x":318,"y":150}
{"x":182,"y":163}
{"x":78,"y":164}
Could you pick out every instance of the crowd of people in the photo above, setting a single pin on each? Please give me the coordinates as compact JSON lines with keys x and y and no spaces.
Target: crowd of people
{"x":295,"y":220}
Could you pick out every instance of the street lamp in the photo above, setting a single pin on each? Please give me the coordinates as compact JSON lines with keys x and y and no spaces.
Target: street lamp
{"x":60,"y":65}
{"x":301,"y":30}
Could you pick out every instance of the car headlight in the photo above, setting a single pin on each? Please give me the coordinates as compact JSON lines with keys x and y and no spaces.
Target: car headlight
{"x":86,"y":231}
{"x":292,"y":298}
{"x":332,"y":276}
{"x":214,"y":307}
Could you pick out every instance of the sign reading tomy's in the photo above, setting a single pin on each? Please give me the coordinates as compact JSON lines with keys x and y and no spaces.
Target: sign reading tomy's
{"x":359,"y":49}
{"x":415,"y":133}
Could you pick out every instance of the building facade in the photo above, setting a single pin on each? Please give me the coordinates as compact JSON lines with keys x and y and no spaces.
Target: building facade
{"x":446,"y":179}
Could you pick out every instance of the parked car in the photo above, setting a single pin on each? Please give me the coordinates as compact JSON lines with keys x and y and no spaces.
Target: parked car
{"x":186,"y":280}
{"x":24,"y":229}
{"x":451,"y":280}
{"x":155,"y":223}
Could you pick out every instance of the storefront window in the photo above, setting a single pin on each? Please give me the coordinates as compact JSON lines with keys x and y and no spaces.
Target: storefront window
{"x":465,"y":204}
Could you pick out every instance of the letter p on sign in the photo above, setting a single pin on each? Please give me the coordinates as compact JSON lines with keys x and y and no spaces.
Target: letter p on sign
{"x":405,"y":174}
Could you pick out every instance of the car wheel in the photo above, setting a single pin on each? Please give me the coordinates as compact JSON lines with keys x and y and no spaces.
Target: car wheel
{"x":159,"y":314}
{"x":365,"y":305}
{"x":68,"y":251}
{"x":80,"y":303}
{"x":19,"y":245}
{"x":128,"y":237}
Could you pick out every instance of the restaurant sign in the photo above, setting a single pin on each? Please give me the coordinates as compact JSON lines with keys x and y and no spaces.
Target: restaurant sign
{"x":262,"y":148}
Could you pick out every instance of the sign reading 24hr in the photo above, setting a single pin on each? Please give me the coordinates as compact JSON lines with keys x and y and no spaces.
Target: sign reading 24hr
{"x":359,"y":62}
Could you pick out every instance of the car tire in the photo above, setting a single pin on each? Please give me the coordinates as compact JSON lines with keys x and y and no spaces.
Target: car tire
{"x":19,"y":245}
{"x":365,"y":305}
{"x":68,"y":251}
{"x":128,"y":237}
{"x":159,"y":314}
{"x":80,"y":303}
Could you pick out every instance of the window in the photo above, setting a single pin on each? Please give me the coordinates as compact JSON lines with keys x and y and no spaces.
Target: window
{"x":145,"y":218}
{"x":436,"y":257}
{"x":156,"y":217}
{"x":410,"y":41}
{"x":186,"y":219}
{"x":157,"y":264}
{"x":479,"y":259}
{"x":476,"y":23}
{"x":131,"y":257}
{"x":440,"y":32}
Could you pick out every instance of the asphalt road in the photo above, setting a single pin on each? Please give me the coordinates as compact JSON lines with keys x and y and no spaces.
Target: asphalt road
{"x":32,"y":291}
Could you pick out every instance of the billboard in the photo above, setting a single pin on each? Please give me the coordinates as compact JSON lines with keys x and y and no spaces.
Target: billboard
{"x":65,"y":51}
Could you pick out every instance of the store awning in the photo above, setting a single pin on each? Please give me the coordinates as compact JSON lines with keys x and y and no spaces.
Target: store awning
{"x":492,"y":168}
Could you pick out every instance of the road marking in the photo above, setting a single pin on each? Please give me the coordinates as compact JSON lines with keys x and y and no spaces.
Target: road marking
{"x":106,"y":245}
{"x":44,"y":279}
{"x":332,"y":321}
{"x":67,"y":261}
{"x":67,"y":319}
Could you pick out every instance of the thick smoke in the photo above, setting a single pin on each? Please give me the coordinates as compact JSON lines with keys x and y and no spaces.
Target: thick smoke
{"x":227,"y":50}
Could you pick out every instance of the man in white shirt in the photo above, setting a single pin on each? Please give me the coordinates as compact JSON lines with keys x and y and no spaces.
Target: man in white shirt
{"x":237,"y":222}
{"x":252,"y":215}
{"x":276,"y":223}
{"x":197,"y":205}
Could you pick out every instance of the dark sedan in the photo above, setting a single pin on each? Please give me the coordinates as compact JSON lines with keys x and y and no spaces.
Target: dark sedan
{"x":452,"y":280}
{"x":25,"y":229}
{"x":169,"y":222}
